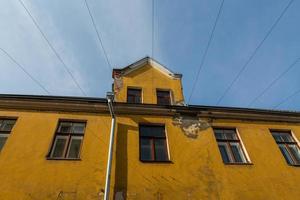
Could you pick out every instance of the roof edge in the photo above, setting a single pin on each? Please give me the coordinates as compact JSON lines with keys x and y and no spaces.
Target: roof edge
{"x":104,"y":100}
{"x":99,"y":105}
{"x":51,"y":98}
{"x":146,"y":60}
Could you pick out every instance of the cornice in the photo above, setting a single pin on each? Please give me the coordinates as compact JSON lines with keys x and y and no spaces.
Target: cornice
{"x":99,"y":105}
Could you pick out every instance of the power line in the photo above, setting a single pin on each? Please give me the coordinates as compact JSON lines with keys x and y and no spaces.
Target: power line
{"x":98,"y":34}
{"x":152,"y":53}
{"x":24,"y":70}
{"x":206,"y":49}
{"x":286,"y":99}
{"x":274,"y":81}
{"x":51,"y":47}
{"x":254,"y":52}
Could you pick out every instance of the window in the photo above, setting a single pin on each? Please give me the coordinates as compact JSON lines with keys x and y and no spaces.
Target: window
{"x":230,"y":146}
{"x":5,"y":128}
{"x":163,"y":97}
{"x":67,"y":141}
{"x":288,"y":146}
{"x":134,"y":95}
{"x":153,"y":145}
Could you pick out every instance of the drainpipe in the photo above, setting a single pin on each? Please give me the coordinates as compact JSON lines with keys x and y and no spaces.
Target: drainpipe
{"x":110,"y":99}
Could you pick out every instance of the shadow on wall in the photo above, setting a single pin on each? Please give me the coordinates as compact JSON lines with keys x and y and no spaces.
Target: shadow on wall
{"x":121,"y":169}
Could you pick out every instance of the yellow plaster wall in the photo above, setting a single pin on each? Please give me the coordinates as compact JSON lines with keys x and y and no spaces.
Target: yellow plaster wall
{"x":149,"y":79}
{"x":196,"y":170}
{"x":25,"y":172}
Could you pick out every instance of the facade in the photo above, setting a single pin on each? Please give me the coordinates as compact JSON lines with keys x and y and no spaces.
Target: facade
{"x":56,"y":147}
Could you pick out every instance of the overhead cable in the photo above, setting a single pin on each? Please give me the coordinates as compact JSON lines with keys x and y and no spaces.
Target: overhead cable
{"x":98,"y":34}
{"x":24,"y":70}
{"x":206,"y":50}
{"x":254,"y":52}
{"x":287,"y":99}
{"x":274,"y":81}
{"x":52,"y":48}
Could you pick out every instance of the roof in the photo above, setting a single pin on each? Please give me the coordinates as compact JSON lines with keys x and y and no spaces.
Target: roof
{"x":52,"y":98}
{"x":65,"y":104}
{"x":141,"y":63}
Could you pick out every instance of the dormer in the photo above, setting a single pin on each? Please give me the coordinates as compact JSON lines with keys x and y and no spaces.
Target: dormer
{"x":147,"y":81}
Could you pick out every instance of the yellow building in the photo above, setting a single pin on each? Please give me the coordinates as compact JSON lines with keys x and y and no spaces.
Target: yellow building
{"x":56,"y":147}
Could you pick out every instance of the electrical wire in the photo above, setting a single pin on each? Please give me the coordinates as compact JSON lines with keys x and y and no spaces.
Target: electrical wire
{"x":98,"y":34}
{"x":286,"y":99}
{"x":274,"y":81}
{"x":24,"y":70}
{"x":52,"y":48}
{"x":206,"y":50}
{"x":254,"y":52}
{"x":152,"y":53}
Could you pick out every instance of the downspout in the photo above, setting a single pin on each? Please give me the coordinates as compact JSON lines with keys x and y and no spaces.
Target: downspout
{"x":110,"y":99}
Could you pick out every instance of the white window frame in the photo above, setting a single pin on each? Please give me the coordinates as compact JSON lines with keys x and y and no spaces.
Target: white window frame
{"x":4,"y":135}
{"x":167,"y":143}
{"x":54,"y":145}
{"x":248,"y":160}
{"x":68,"y":152}
{"x":291,"y":132}
{"x":243,"y":148}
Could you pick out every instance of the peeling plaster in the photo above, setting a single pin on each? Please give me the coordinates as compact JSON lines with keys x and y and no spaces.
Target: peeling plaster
{"x":118,"y":83}
{"x":191,"y":126}
{"x":180,"y":103}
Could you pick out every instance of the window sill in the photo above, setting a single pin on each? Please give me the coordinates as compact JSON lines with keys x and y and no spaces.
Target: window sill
{"x":238,"y":163}
{"x":65,"y":159}
{"x":157,"y":162}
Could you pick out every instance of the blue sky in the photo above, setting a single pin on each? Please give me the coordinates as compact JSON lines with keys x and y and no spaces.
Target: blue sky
{"x":182,"y":30}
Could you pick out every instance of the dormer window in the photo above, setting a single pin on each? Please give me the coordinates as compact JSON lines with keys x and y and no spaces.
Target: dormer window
{"x":163,"y":97}
{"x":134,"y":95}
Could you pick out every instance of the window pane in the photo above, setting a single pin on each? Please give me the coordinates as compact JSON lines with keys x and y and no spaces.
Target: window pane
{"x":222,"y":134}
{"x":134,"y":92}
{"x":277,"y":137}
{"x":134,"y":95}
{"x":286,"y":154}
{"x":160,"y":150}
{"x":237,"y":152}
{"x":74,"y":148}
{"x":78,"y":128}
{"x":65,"y":127}
{"x":163,"y":97}
{"x":59,"y":147}
{"x":282,"y":137}
{"x":2,"y":141}
{"x":146,"y":149}
{"x":7,"y":124}
{"x":130,"y":99}
{"x":224,"y":152}
{"x":152,"y":131}
{"x":287,"y":137}
{"x":230,"y":134}
{"x":294,"y":149}
{"x":219,"y":134}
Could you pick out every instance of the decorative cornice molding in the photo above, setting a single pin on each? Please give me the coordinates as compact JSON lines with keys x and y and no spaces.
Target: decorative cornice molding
{"x":99,"y":105}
